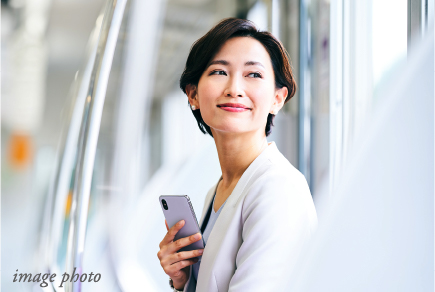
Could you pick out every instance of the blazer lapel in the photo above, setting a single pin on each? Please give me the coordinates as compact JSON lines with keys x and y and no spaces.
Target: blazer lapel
{"x":206,"y":273}
{"x":244,"y":180}
{"x":270,"y":150}
{"x":190,"y":285}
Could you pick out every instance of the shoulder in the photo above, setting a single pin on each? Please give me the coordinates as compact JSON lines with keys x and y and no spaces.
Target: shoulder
{"x":279,"y":188}
{"x":278,"y":177}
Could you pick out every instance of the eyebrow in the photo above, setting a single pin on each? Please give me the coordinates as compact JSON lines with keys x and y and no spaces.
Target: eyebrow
{"x":253,"y":63}
{"x":226,"y":63}
{"x":221,"y":62}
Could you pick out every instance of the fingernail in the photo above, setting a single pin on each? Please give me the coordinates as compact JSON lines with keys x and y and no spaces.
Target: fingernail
{"x":200,"y":251}
{"x":197,"y":236}
{"x":180,"y":223}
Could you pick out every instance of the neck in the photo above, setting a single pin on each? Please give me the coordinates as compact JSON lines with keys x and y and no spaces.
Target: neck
{"x":236,"y":152}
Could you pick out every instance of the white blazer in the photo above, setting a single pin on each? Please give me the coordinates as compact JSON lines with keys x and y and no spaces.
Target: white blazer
{"x":260,"y":231}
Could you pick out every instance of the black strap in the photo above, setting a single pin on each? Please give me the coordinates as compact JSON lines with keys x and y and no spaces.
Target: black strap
{"x":207,"y":216}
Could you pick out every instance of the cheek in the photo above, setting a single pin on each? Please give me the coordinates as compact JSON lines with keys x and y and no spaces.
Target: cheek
{"x":207,"y":93}
{"x":262,"y":109}
{"x":263,"y":98}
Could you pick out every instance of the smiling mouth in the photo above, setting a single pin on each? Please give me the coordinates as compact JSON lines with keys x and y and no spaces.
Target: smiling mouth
{"x":233,"y":107}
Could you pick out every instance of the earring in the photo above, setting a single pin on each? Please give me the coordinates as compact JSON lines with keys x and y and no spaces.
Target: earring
{"x":193,"y":107}
{"x":274,"y":112}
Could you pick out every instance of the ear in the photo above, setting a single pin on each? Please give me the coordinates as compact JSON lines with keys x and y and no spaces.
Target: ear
{"x":192,"y":95}
{"x":280,"y":97}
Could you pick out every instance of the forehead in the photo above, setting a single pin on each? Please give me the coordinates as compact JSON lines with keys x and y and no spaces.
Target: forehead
{"x":239,"y":50}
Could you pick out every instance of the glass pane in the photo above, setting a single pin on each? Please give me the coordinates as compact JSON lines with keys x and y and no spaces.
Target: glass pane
{"x":389,"y":37}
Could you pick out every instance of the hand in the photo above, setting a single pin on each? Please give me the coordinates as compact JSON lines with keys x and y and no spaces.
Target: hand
{"x":176,"y":264}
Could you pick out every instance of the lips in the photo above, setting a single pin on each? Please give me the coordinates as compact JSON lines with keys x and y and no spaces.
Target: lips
{"x":233,"y":107}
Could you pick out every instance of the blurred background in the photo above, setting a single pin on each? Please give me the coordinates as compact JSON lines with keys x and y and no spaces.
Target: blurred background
{"x":94,"y":127}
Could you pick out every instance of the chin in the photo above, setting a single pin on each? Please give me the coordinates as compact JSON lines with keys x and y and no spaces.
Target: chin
{"x":233,"y":125}
{"x":234,"y":129}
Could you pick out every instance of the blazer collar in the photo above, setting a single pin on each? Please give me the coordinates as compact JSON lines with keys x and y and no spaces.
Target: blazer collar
{"x":264,"y":156}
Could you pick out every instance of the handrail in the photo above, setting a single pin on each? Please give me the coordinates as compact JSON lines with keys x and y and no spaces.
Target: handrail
{"x":66,"y":167}
{"x":88,"y":138}
{"x":55,"y":210}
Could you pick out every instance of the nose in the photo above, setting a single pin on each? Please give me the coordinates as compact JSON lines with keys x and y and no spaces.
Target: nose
{"x":234,"y":87}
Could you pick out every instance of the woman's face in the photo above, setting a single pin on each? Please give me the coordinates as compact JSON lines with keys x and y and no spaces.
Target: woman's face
{"x":237,"y":90}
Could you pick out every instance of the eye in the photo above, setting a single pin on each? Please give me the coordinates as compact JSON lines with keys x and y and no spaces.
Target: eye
{"x":254,"y":75}
{"x":218,"y":72}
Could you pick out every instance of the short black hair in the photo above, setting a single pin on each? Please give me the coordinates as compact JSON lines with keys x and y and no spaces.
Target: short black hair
{"x":205,"y":48}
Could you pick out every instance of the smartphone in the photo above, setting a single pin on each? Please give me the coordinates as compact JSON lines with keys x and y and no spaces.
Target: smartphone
{"x":176,"y":208}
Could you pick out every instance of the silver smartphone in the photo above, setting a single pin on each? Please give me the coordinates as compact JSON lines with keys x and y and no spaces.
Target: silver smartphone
{"x":176,"y":208}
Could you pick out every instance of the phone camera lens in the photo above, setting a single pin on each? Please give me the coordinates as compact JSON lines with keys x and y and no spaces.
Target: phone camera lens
{"x":165,"y":205}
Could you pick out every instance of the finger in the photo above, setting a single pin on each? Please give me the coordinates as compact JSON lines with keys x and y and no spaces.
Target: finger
{"x":173,"y":269}
{"x":169,"y":237}
{"x":182,"y":242}
{"x":183,"y":255}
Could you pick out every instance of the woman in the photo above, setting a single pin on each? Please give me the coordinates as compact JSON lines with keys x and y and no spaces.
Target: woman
{"x":260,"y":213}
